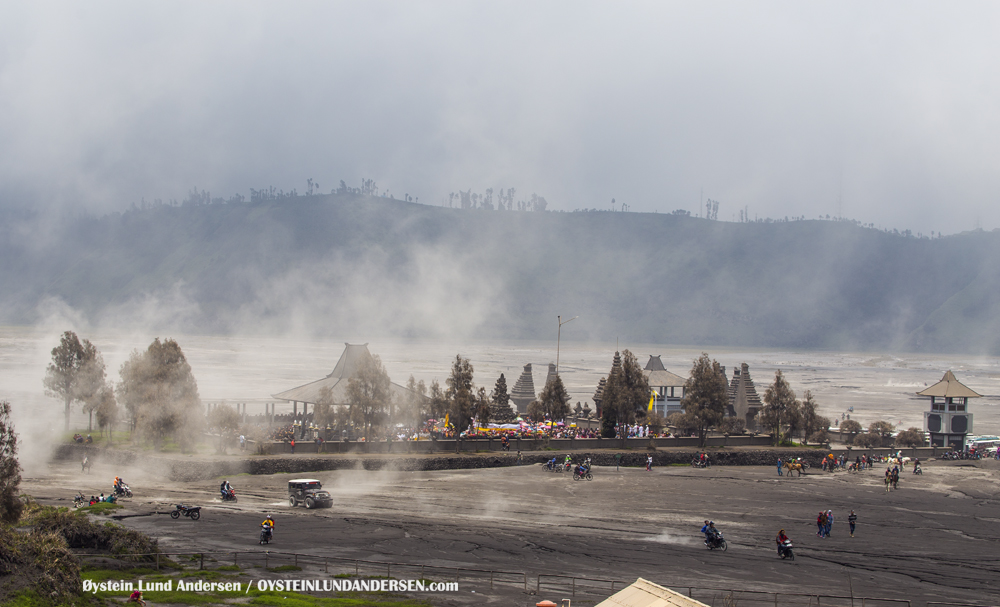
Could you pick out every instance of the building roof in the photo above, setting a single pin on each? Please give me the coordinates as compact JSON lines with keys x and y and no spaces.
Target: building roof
{"x":346,"y":367}
{"x":658,"y":376}
{"x":949,"y":387}
{"x":644,"y":593}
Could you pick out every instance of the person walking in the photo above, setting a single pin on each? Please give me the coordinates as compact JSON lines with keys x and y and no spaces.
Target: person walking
{"x":852,"y":520}
{"x":618,"y":460}
{"x":780,"y":473}
{"x":649,"y":463}
{"x":829,"y":522}
{"x":293,"y":445}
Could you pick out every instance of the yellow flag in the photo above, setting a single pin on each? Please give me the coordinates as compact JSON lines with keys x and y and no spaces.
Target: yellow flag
{"x":446,"y":419}
{"x":652,"y":398}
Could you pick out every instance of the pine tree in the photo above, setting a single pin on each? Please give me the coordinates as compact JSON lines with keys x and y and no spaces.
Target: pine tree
{"x":705,"y":396}
{"x":780,"y":402}
{"x":500,"y":410}
{"x":10,"y":468}
{"x":555,"y":399}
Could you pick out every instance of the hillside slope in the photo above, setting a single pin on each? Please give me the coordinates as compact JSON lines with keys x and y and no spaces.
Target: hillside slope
{"x":358,"y":266}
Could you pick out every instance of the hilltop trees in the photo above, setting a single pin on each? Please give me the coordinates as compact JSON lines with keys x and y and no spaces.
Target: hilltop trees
{"x":76,"y":372}
{"x":369,"y":394}
{"x":10,"y":468}
{"x":705,"y":396}
{"x":160,"y":394}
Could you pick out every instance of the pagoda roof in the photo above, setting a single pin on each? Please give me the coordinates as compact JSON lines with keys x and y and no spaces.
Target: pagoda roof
{"x":346,"y":367}
{"x":658,"y":376}
{"x":949,"y":387}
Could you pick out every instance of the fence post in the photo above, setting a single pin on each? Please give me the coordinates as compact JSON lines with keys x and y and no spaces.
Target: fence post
{"x":612,"y":586}
{"x":202,"y":565}
{"x":356,"y":569}
{"x":525,"y":581}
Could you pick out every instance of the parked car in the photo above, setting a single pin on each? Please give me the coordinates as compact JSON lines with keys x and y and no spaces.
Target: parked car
{"x":308,"y":491}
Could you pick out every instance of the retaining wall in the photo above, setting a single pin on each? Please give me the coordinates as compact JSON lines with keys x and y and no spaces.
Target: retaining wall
{"x":189,"y":468}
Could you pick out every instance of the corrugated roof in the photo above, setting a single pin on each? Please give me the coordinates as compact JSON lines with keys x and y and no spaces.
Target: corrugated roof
{"x":345,"y":368}
{"x":949,"y":387}
{"x":644,"y":593}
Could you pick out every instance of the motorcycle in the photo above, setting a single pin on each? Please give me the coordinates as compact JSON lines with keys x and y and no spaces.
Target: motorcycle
{"x":785,"y":550}
{"x":918,"y":470}
{"x":567,"y":466}
{"x":229,"y":496}
{"x":266,"y":533}
{"x":582,"y":473}
{"x":716,"y":541}
{"x":192,"y":512}
{"x":122,"y":491}
{"x":80,"y":501}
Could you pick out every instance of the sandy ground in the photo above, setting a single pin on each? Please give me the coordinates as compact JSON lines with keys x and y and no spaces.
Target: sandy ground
{"x":934,"y":539}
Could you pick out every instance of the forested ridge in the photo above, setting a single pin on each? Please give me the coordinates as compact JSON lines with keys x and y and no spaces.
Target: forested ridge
{"x":348,"y":262}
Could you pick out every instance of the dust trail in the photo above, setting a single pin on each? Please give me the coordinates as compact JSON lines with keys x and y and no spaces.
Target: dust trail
{"x":668,"y":537}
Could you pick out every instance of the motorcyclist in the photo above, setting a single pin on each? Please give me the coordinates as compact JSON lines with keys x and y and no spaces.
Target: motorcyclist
{"x":225,"y":488}
{"x":709,"y":530}
{"x":268,"y":525}
{"x":568,"y":461}
{"x":916,"y":464}
{"x":780,"y":539}
{"x":552,"y":463}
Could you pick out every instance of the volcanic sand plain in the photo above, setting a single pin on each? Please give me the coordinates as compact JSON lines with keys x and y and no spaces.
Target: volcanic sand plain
{"x":933,"y":539}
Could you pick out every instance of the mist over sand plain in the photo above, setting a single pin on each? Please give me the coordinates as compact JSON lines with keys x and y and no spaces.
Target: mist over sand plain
{"x":250,"y":369}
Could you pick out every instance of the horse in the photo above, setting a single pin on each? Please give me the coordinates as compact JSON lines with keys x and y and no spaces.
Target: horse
{"x":86,"y":464}
{"x":793,"y":466}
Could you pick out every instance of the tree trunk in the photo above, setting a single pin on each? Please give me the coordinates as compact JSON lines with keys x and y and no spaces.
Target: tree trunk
{"x":68,"y":400}
{"x":90,"y":424}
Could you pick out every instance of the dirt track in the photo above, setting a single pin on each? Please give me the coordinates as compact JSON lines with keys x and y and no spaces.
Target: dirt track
{"x":934,"y":539}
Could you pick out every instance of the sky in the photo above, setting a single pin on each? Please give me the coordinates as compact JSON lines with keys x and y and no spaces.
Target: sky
{"x":882,"y":112}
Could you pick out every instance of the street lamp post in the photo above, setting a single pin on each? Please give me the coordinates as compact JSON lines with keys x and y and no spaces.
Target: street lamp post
{"x":559,"y":337}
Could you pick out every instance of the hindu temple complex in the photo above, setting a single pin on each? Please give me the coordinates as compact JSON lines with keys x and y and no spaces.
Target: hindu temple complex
{"x":744,"y":403}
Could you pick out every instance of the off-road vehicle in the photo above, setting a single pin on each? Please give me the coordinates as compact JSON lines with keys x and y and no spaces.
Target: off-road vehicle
{"x":308,"y":491}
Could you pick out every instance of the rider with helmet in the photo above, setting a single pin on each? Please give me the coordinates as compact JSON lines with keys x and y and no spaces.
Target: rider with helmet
{"x":268,"y":525}
{"x":710,"y":531}
{"x":225,"y":488}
